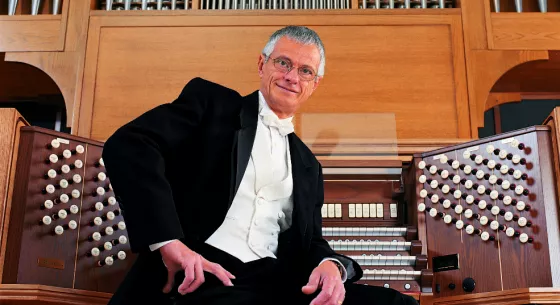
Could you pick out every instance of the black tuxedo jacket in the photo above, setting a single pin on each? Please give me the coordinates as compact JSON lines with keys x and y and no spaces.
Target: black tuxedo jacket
{"x":176,"y":168}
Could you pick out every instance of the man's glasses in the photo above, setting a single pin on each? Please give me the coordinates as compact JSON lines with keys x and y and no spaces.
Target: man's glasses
{"x":285,"y":66}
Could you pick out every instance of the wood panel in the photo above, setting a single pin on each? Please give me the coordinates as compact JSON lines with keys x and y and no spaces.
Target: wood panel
{"x":23,"y":294}
{"x":65,"y":68}
{"x":122,"y":81}
{"x":10,"y":122}
{"x":526,"y":31}
{"x":31,"y":35}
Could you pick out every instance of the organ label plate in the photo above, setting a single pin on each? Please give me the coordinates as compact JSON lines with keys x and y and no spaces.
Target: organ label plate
{"x":473,"y":148}
{"x":50,"y":263}
{"x":63,"y":141}
{"x":508,"y":140}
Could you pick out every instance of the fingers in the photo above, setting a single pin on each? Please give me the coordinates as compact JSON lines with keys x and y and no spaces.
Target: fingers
{"x":312,"y":284}
{"x":327,"y":293}
{"x":170,"y":279}
{"x":188,"y":267}
{"x":338,"y":295}
{"x":219,"y":271}
{"x":198,"y":275}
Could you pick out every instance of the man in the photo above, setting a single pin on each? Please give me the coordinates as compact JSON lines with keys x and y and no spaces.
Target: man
{"x":223,"y":201}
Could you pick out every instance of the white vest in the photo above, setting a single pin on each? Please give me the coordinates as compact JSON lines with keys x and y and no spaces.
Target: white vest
{"x":262,"y":207}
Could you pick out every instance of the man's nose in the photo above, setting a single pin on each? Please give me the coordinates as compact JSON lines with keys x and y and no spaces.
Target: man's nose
{"x":292,"y":76}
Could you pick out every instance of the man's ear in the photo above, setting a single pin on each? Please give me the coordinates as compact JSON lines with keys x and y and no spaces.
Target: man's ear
{"x":316,"y":82}
{"x":260,"y":64}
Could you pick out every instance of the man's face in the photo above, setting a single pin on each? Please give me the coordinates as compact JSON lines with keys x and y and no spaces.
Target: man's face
{"x":285,"y":92}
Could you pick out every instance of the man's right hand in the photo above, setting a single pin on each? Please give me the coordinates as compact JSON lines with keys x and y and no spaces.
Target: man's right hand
{"x":177,"y":257}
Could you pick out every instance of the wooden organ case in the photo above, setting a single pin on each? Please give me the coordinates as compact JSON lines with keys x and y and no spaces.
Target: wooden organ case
{"x":490,"y":213}
{"x":365,"y":218}
{"x":65,"y":226}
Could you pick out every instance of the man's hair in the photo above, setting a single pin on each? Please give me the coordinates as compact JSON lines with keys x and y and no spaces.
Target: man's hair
{"x":299,"y":34}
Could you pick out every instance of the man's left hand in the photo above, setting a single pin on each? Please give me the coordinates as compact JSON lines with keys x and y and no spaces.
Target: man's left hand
{"x":327,"y":277}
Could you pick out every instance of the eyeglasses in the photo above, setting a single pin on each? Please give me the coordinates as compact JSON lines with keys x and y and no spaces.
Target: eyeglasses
{"x":285,"y":66}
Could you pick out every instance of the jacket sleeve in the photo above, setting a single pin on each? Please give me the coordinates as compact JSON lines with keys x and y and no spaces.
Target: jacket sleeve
{"x":319,"y":248}
{"x":134,"y":158}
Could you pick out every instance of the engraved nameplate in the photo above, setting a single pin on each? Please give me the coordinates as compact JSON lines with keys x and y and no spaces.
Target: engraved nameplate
{"x":50,"y":263}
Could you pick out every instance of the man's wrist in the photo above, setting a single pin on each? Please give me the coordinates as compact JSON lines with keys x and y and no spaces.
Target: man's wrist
{"x":342,"y":271}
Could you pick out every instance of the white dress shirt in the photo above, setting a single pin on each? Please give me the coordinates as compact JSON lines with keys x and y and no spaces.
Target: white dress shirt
{"x":262,"y":207}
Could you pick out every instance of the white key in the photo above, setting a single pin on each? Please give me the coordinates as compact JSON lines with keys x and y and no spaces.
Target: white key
{"x":352,"y":210}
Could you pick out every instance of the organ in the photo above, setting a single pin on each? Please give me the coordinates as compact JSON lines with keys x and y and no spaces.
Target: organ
{"x":65,"y":225}
{"x":490,"y":213}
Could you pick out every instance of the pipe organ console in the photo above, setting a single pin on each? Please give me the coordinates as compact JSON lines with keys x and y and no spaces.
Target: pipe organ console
{"x":491,"y":213}
{"x":65,"y":226}
{"x":365,"y":219}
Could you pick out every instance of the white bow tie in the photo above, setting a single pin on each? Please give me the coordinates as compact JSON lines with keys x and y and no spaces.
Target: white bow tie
{"x":284,"y":126}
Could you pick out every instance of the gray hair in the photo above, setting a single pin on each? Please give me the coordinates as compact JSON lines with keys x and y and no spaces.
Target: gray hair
{"x":300,"y":34}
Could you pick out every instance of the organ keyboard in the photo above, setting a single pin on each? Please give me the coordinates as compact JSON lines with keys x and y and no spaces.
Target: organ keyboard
{"x":364,"y":217}
{"x":66,"y":228}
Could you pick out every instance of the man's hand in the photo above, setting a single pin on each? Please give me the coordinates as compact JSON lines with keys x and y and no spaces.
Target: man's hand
{"x":176,"y":257}
{"x":326,"y":276}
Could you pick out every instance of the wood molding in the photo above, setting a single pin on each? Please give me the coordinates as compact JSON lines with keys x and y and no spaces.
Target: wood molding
{"x":506,"y":297}
{"x":485,"y":68}
{"x":26,"y":294}
{"x":65,"y":68}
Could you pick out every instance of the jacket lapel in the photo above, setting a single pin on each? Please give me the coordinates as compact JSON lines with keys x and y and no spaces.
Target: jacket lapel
{"x":243,"y":140}
{"x":304,"y":177}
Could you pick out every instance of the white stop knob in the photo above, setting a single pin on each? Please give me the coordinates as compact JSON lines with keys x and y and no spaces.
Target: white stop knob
{"x":491,"y":164}
{"x":50,"y":188}
{"x":121,"y":255}
{"x":422,"y":179}
{"x":447,"y":219}
{"x":74,"y":209}
{"x":109,"y":230}
{"x":494,"y":194}
{"x":433,"y":212}
{"x":456,"y":179}
{"x":65,"y":169}
{"x":51,"y":173}
{"x":108,"y":245}
{"x":495,"y":210}
{"x":455,"y":164}
{"x":504,"y":169}
{"x":100,"y":191}
{"x":459,"y":224}
{"x":58,"y":230}
{"x":444,"y":174}
{"x":519,"y":190}
{"x":478,"y":159}
{"x":64,"y":198}
{"x":75,"y":193}
{"x":482,"y":204}
{"x":481,"y":189}
{"x":468,"y":184}
{"x":77,"y":178}
{"x":494,"y":225}
{"x":122,"y":240}
{"x":423,"y":193}
{"x":483,"y":220}
{"x":516,"y":159}
{"x":505,"y":184}
{"x":96,"y":236}
{"x":502,"y":154}
{"x":95,"y":252}
{"x":101,"y":176}
{"x":433,"y":169}
{"x":55,"y":143}
{"x":78,"y":163}
{"x":62,"y":214}
{"x":121,"y":225}
{"x":80,"y":149}
{"x":434,"y":198}
{"x":458,"y":209}
{"x":467,"y":169}
{"x":66,"y":154}
{"x":510,"y":232}
{"x":421,"y":164}
{"x":99,"y":206}
{"x":523,"y":238}
{"x":485,"y":236}
{"x":508,"y":216}
{"x":522,"y":221}
{"x":446,"y":203}
{"x":468,"y":213}
{"x":490,"y":149}
{"x":445,"y":189}
{"x":109,"y":261}
{"x":72,"y":224}
{"x":48,"y":204}
{"x":492,"y":179}
{"x":507,"y":200}
{"x":434,"y":184}
{"x":97,"y":221}
{"x":470,"y":199}
{"x":469,"y":229}
{"x":520,"y":205}
{"x":47,"y":220}
{"x":53,"y":158}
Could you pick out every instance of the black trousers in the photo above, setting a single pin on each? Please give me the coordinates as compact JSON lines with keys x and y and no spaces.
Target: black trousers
{"x":264,"y":282}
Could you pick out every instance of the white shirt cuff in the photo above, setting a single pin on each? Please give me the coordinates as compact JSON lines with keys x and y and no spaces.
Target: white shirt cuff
{"x":156,"y":246}
{"x":344,"y":273}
